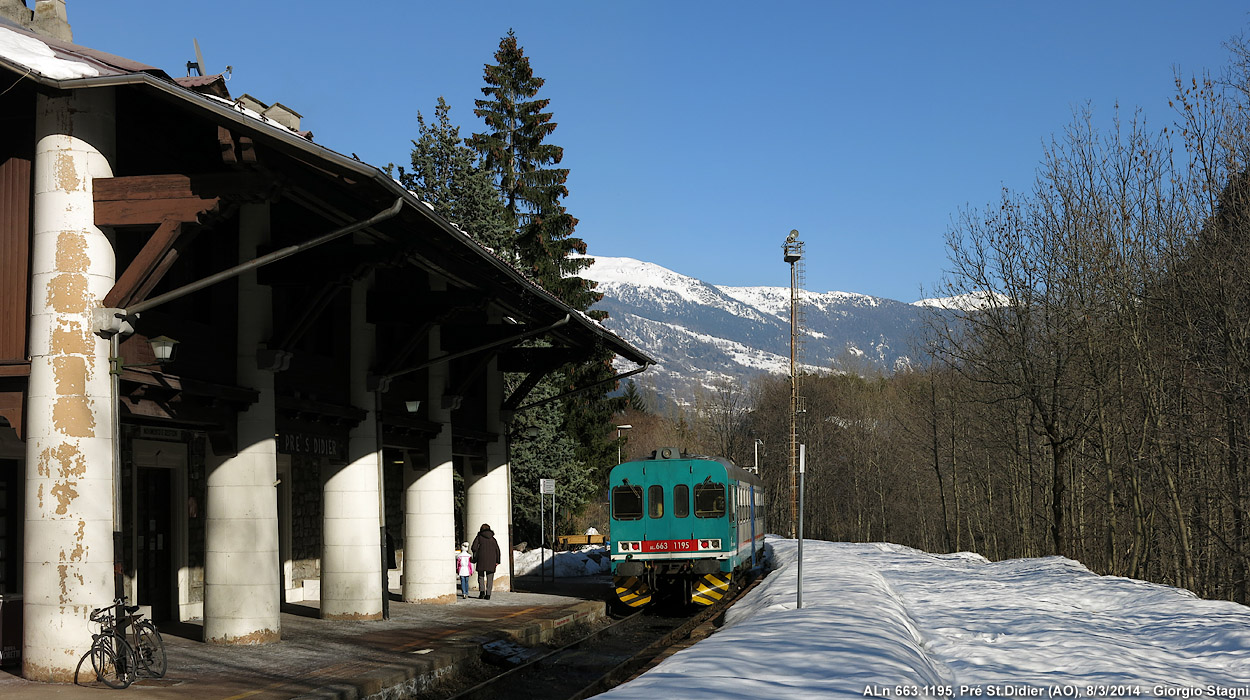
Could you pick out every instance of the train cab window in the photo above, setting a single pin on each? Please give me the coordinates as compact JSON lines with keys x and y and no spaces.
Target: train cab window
{"x":681,"y":501}
{"x":627,"y":502}
{"x":655,"y":501}
{"x":709,"y":500}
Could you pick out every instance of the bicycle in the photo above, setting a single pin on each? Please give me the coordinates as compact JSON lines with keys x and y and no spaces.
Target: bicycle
{"x":112,"y":657}
{"x":148,"y":645}
{"x":126,"y":647}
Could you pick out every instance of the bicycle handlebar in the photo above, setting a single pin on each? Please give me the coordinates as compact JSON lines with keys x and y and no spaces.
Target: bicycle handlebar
{"x":118,"y":603}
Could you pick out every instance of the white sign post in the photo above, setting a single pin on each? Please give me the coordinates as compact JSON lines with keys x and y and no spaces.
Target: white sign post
{"x":802,"y":468}
{"x":547,"y":486}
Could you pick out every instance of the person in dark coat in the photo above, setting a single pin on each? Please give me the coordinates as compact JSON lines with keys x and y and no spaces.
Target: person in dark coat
{"x":486,"y":557}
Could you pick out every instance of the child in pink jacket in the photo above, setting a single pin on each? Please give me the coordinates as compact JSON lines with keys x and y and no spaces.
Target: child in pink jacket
{"x":464,"y":568}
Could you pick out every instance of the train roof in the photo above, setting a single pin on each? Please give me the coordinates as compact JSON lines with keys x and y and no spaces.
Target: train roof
{"x":674,"y":456}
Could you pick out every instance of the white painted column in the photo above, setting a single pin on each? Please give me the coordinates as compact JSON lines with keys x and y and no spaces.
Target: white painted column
{"x":429,"y":505}
{"x":487,"y":497}
{"x":351,"y":557}
{"x":241,"y":568}
{"x":69,"y":481}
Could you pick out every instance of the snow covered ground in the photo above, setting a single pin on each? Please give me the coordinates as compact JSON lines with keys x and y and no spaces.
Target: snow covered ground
{"x":587,"y":561}
{"x":889,"y":621}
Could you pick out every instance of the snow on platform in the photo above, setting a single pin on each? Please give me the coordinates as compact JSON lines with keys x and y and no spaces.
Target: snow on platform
{"x":890,"y":621}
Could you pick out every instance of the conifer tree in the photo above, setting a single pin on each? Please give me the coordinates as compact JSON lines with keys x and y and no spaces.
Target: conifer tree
{"x":514,"y":149}
{"x":447,"y":174}
{"x":524,"y":167}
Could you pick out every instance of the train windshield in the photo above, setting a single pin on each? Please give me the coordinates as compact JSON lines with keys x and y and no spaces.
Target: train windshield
{"x":709,"y":500}
{"x":627,"y":502}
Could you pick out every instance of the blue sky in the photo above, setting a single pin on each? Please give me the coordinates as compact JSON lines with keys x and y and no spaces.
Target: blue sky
{"x":699,"y":133}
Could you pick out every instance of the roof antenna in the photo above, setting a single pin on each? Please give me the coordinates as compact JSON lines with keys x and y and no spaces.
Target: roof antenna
{"x":198,"y":64}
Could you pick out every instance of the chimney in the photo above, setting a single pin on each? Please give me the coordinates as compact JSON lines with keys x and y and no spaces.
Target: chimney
{"x":50,"y":20}
{"x":15,"y":10}
{"x":48,"y":17}
{"x":283,"y":115}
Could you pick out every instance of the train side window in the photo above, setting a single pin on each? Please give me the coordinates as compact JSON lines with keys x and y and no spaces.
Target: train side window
{"x":627,"y":502}
{"x":681,"y":501}
{"x":655,"y":501}
{"x":709,"y":500}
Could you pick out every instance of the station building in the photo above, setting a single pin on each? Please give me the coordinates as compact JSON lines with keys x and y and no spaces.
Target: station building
{"x":340,"y":359}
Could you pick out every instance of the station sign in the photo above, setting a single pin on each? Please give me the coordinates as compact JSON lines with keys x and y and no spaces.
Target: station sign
{"x":291,"y":442}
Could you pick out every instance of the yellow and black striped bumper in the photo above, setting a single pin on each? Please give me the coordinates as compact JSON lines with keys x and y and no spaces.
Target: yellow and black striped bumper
{"x":632,"y":591}
{"x":710,"y":588}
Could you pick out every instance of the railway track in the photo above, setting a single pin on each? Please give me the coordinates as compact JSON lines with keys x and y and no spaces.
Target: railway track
{"x":603,"y":658}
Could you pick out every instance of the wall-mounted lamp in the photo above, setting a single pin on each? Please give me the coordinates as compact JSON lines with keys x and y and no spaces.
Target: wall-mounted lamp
{"x":412,"y":406}
{"x":163,"y":348}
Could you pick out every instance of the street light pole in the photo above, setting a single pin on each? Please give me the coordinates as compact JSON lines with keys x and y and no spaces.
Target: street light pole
{"x":758,"y":442}
{"x":619,"y":429}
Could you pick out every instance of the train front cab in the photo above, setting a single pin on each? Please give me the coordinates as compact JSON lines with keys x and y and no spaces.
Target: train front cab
{"x":675,"y":529}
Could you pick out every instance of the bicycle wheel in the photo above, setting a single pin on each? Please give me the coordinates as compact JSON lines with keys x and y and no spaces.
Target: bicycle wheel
{"x":150,"y":650}
{"x":113,"y":661}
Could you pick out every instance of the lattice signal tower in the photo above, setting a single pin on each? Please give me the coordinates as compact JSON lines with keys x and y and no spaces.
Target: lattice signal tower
{"x":793,"y":254}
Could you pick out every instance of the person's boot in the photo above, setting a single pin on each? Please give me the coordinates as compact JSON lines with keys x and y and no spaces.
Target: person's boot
{"x":482,"y":595}
{"x":488,"y":596}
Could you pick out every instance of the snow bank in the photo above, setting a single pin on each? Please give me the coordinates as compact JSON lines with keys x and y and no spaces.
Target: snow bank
{"x":891,"y":621}
{"x":587,"y":561}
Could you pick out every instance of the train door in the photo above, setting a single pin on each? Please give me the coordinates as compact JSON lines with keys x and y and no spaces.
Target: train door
{"x":658,"y":531}
{"x":754,"y":524}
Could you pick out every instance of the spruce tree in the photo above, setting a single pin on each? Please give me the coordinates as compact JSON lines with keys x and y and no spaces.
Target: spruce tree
{"x":447,"y":174}
{"x":532,"y":187}
{"x":514,"y":149}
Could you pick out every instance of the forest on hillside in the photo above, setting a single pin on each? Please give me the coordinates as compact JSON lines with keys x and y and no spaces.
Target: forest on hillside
{"x":1095,"y":401}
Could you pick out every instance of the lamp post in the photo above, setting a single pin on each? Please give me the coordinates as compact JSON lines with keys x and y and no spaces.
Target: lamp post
{"x":619,"y":430}
{"x":758,"y":442}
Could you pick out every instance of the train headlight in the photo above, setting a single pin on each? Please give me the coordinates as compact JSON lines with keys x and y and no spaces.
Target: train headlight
{"x":707,"y":545}
{"x":630,"y":546}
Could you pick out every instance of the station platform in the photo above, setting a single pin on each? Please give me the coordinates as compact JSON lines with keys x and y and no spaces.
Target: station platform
{"x":348,"y":660}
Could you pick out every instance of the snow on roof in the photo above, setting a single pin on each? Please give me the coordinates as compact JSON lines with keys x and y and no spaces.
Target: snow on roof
{"x":35,"y":55}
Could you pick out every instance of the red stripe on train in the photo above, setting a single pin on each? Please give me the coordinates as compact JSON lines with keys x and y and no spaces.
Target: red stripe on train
{"x":670,"y":545}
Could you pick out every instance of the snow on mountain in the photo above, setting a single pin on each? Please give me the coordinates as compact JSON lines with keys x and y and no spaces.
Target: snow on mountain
{"x":620,"y":276}
{"x":884,"y":620}
{"x":973,"y":301}
{"x":702,"y":333}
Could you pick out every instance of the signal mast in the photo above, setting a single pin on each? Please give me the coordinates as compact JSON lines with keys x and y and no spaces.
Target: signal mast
{"x":793,"y":254}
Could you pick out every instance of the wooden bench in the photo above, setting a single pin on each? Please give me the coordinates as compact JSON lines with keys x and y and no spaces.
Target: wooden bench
{"x":567,"y":541}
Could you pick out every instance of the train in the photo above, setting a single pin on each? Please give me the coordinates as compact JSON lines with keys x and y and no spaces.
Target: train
{"x":683,"y":525}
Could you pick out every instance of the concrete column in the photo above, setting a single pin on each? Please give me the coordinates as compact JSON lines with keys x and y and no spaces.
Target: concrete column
{"x":241,"y":568}
{"x":69,"y":481}
{"x":487,"y":498}
{"x":351,"y":556}
{"x":429,"y":506}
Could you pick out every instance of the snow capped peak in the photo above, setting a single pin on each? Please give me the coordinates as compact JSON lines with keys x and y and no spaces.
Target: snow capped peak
{"x":972,"y":301}
{"x":700,"y":332}
{"x":642,"y":274}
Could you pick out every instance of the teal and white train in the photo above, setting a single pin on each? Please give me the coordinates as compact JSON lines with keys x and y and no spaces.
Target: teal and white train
{"x":685,"y":525}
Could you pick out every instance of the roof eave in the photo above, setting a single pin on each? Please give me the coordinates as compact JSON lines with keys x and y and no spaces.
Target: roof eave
{"x":617,"y":344}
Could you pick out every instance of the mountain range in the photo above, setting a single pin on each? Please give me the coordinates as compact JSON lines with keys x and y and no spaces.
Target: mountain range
{"x":702,"y":333}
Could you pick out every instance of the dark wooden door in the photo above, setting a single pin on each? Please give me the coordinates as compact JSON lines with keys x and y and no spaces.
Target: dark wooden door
{"x":155,"y":545}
